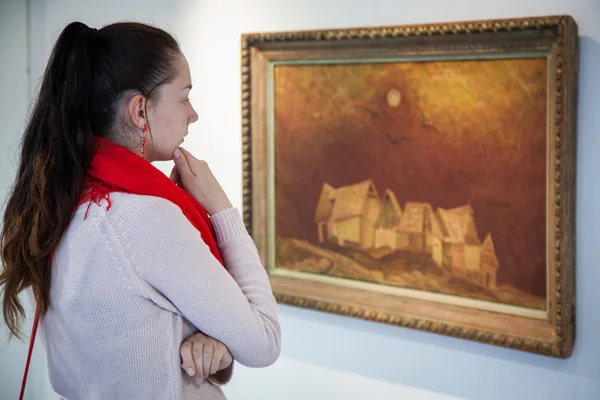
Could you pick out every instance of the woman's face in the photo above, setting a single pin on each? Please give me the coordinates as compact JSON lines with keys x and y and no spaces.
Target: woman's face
{"x":170,"y":114}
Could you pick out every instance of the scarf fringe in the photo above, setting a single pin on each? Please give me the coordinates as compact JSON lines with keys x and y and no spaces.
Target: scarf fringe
{"x":94,"y":191}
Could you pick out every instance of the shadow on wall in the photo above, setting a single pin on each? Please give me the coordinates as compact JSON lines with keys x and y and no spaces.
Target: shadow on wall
{"x":468,"y":369}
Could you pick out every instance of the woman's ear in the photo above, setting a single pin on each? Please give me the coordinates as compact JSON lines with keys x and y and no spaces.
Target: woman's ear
{"x":136,"y":110}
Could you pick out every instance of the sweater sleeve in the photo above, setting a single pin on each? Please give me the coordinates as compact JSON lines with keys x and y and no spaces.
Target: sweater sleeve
{"x":235,"y":305}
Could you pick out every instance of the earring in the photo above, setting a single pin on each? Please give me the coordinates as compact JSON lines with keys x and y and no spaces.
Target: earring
{"x":143,"y":135}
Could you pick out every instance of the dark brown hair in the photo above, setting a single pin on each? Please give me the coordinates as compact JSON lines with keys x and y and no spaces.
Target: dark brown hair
{"x":88,"y":77}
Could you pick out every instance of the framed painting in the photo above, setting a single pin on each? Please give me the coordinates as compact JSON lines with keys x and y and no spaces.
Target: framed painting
{"x":421,"y":176}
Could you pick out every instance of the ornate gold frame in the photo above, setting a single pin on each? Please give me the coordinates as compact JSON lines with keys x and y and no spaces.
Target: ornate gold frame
{"x":557,"y":36}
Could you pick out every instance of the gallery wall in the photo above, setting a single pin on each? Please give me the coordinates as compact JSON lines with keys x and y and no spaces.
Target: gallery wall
{"x":325,"y":356}
{"x":13,"y":109}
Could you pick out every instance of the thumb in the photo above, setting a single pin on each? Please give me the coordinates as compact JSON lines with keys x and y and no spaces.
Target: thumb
{"x":181,"y":164}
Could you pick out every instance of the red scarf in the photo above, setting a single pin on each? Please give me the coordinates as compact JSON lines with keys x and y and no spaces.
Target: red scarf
{"x":116,"y":169}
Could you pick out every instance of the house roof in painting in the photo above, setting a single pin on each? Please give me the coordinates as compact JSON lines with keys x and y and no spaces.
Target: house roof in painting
{"x":344,"y":202}
{"x":488,"y":251}
{"x":457,"y":224}
{"x":419,"y":217}
{"x":463,"y":210}
{"x":391,"y":212}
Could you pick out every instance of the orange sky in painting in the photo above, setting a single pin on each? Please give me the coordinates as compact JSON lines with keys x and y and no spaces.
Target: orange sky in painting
{"x":462,"y":132}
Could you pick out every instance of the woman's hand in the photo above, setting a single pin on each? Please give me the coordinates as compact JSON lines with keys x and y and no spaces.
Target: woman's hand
{"x":202,"y":356}
{"x":196,"y":177}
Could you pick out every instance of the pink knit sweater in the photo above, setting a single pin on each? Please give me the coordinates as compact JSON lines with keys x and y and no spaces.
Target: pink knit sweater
{"x":131,"y":283}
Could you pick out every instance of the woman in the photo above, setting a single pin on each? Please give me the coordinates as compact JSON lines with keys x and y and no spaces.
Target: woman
{"x":134,"y":273}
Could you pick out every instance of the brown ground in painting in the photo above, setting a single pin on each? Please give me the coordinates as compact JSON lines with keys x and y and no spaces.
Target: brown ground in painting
{"x":403,"y":270}
{"x":444,"y":133}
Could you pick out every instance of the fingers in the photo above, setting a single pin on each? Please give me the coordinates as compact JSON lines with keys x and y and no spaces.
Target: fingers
{"x":226,"y":359}
{"x":198,"y":353}
{"x":216,"y":360}
{"x":187,"y":360}
{"x":208,"y":360}
{"x":188,"y":156}
{"x":181,"y":164}
{"x":203,"y":356}
{"x":196,"y":166}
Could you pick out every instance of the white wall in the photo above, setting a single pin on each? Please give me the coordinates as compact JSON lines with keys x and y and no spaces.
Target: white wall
{"x":327,"y":356}
{"x":13,"y":86}
{"x":13,"y":109}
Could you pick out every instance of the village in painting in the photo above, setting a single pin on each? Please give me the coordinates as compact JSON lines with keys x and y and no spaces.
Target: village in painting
{"x":373,"y":238}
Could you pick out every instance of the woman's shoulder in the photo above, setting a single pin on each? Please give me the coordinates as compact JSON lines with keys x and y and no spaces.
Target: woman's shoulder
{"x":132,"y":210}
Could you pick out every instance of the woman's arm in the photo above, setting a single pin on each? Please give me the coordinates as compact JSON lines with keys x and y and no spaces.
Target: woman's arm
{"x":235,"y":305}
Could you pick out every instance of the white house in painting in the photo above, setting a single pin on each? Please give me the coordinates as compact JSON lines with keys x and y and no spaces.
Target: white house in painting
{"x":419,"y":231}
{"x":489,"y":262}
{"x":347,"y":214}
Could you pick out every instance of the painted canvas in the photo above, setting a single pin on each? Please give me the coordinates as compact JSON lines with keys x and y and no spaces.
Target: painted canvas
{"x":425,"y":175}
{"x":421,"y":176}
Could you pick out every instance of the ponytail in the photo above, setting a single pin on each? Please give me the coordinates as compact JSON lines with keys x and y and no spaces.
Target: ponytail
{"x":57,"y":147}
{"x":70,"y":81}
